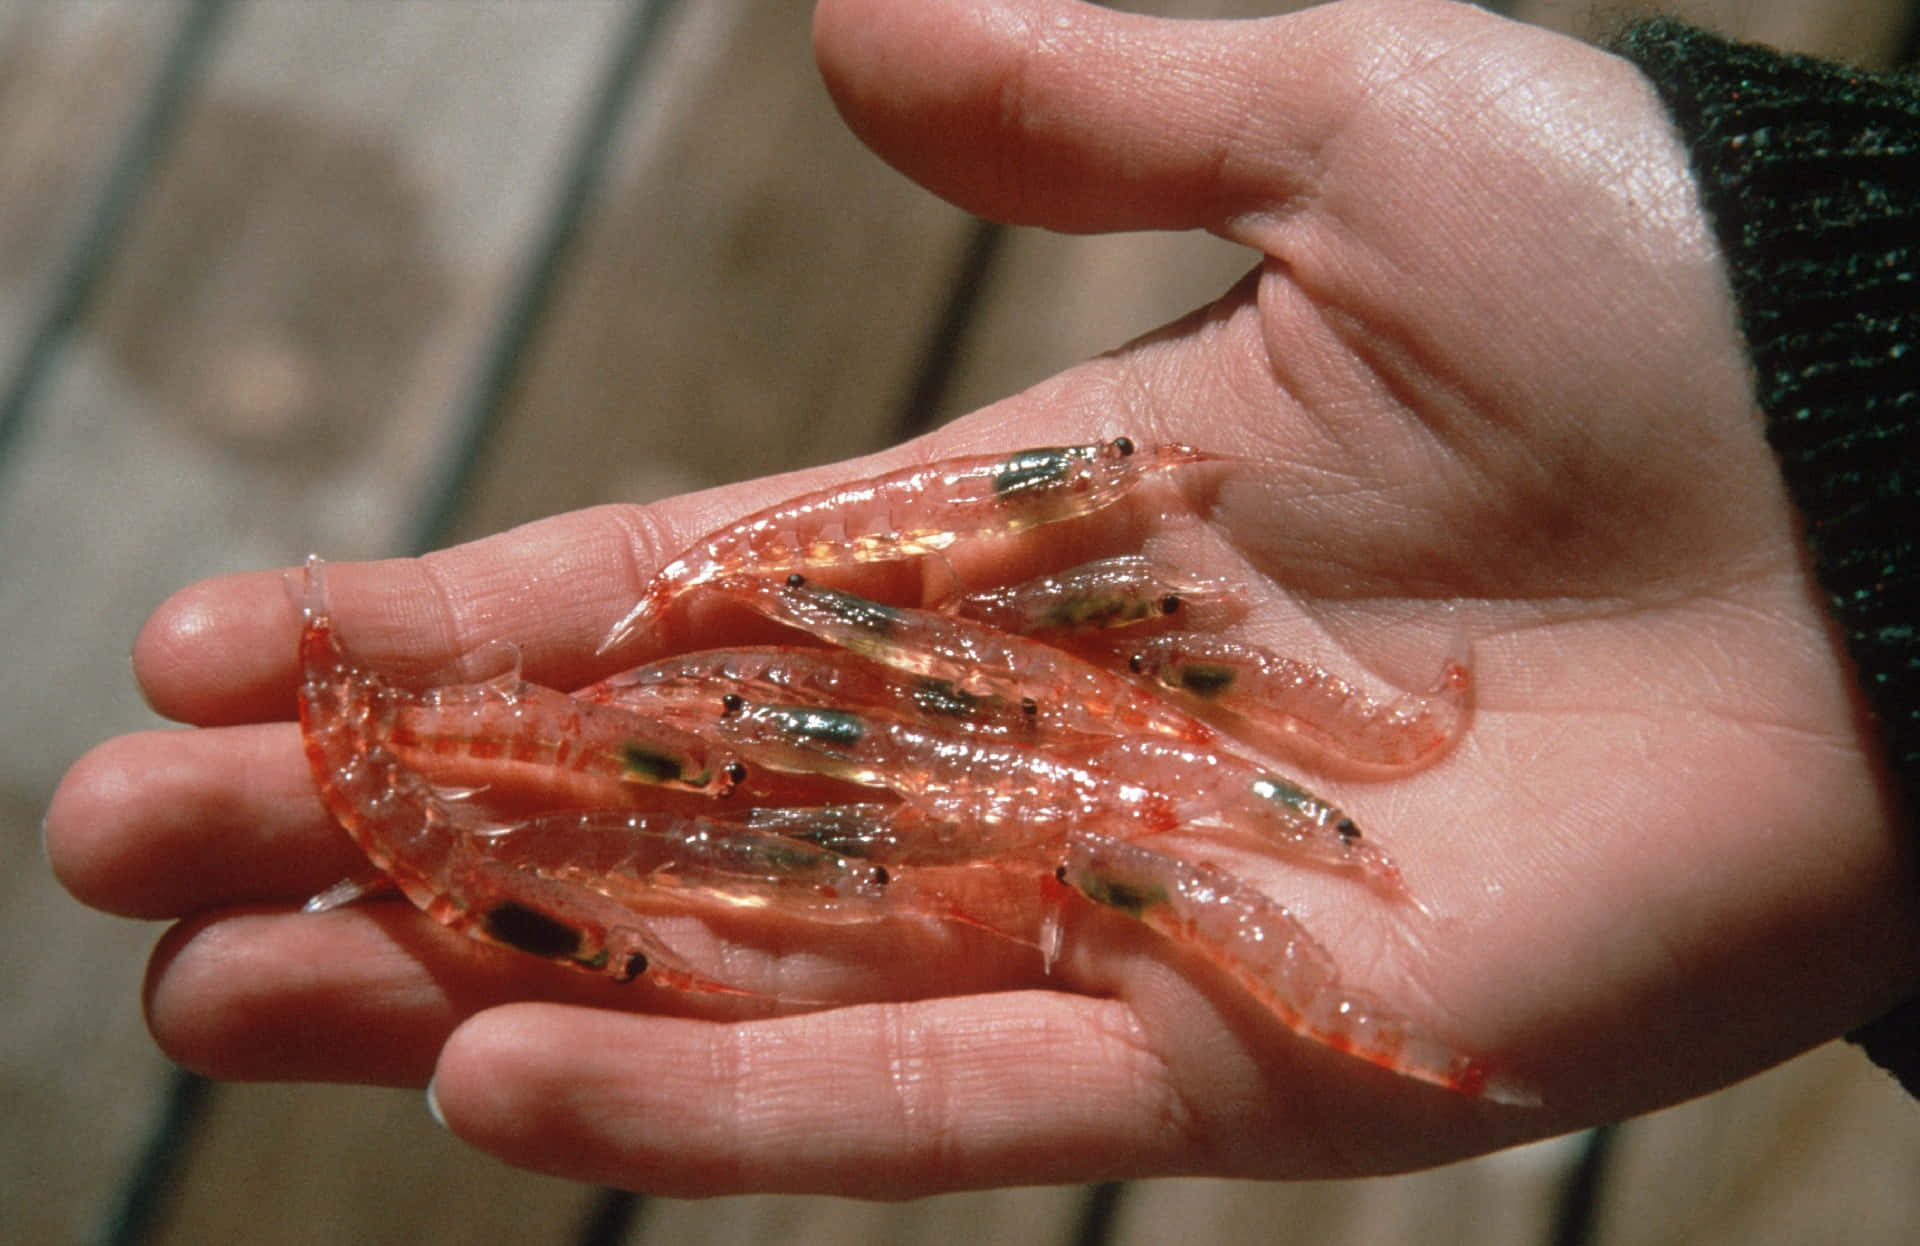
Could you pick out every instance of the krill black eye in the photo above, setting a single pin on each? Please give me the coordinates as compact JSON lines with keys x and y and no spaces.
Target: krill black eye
{"x":736,"y":772}
{"x":1169,"y":603}
{"x":1137,"y":663}
{"x":796,"y":580}
{"x":1123,"y":446}
{"x":732,"y":704}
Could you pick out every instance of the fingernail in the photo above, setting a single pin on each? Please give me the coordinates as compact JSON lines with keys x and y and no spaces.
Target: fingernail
{"x":433,"y":1106}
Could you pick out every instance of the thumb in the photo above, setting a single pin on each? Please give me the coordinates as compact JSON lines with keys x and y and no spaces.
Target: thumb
{"x":1081,"y":119}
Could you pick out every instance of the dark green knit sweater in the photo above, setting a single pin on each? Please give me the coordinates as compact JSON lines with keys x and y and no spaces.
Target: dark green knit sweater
{"x":1811,"y":174}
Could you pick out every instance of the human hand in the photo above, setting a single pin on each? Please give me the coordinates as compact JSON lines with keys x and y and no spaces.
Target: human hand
{"x":1489,"y":372}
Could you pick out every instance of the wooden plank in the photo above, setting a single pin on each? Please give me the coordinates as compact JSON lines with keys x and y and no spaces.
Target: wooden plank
{"x":1056,"y":300}
{"x":751,"y":295}
{"x":1822,"y":1149}
{"x":271,"y":365}
{"x":296,"y":1165}
{"x":82,"y":1079}
{"x":1022,"y":1217}
{"x":326,"y":259}
{"x":1498,"y":1200}
{"x":73,"y":79}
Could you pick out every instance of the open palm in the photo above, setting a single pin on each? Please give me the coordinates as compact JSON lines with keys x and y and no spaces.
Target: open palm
{"x":1487,"y":384}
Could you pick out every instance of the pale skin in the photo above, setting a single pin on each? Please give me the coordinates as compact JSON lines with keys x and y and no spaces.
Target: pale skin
{"x":1489,"y":369}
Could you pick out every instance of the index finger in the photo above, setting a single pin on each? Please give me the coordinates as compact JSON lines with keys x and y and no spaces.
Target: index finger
{"x":222,"y":652}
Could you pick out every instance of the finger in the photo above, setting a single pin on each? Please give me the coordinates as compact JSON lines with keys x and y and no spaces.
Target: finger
{"x":885,"y":1100}
{"x":332,"y":997}
{"x":1079,"y":118}
{"x":364,"y":994}
{"x":224,"y":651}
{"x":166,"y":823}
{"x":361,"y":995}
{"x":368,"y":992}
{"x":905,"y":1100}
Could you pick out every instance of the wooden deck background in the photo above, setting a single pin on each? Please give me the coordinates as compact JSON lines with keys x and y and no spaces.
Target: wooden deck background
{"x":365,"y":276}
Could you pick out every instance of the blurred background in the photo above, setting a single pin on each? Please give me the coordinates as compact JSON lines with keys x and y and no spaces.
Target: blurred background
{"x":369,"y":277}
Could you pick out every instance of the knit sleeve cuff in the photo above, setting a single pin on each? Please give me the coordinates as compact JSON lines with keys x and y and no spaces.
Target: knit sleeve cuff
{"x":1810,"y":173}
